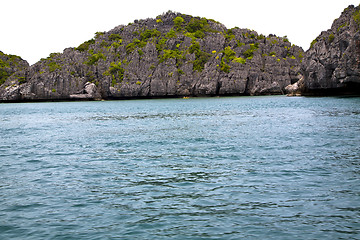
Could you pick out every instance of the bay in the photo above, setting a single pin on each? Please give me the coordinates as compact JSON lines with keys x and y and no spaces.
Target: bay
{"x":268,"y":167}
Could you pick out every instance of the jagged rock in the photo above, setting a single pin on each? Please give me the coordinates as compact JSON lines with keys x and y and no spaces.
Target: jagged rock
{"x":332,"y":64}
{"x":169,"y":56}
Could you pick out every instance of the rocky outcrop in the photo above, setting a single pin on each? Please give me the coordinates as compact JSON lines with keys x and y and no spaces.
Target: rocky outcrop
{"x":332,"y":64}
{"x":169,"y":56}
{"x":10,"y":64}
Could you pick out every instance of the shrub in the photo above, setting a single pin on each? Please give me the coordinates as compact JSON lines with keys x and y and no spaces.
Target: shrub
{"x":147,"y":34}
{"x":339,"y":28}
{"x":85,"y":46}
{"x":201,"y":57}
{"x":356,"y":16}
{"x":168,"y":53}
{"x":116,"y":44}
{"x":98,"y":34}
{"x":196,"y":24}
{"x":224,"y":67}
{"x":313,"y":43}
{"x":3,"y":76}
{"x":159,"y":20}
{"x":229,"y":34}
{"x":331,"y":38}
{"x":250,"y":52}
{"x":239,"y":60}
{"x":229,"y":53}
{"x":260,"y":37}
{"x":114,"y":37}
{"x":161,"y":44}
{"x":136,"y":43}
{"x":53,"y":66}
{"x":116,"y":70}
{"x":94,"y":58}
{"x":199,"y":34}
{"x":194,"y":47}
{"x":178,"y":22}
{"x":181,"y":72}
{"x":171,"y":34}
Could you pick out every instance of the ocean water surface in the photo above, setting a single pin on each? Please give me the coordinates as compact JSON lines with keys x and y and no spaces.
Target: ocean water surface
{"x":201,"y":168}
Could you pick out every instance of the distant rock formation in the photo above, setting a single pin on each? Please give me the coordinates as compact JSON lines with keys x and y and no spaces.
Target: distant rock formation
{"x":332,"y":64}
{"x":172,"y":55}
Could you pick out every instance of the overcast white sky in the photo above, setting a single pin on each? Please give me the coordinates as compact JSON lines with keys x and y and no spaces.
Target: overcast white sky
{"x":33,"y":29}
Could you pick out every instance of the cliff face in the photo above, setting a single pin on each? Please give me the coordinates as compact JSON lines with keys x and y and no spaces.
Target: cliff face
{"x":332,"y":64}
{"x":10,"y":64}
{"x":171,"y":55}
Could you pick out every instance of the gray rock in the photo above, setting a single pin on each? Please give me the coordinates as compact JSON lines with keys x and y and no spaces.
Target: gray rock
{"x":332,"y":64}
{"x":154,"y":58}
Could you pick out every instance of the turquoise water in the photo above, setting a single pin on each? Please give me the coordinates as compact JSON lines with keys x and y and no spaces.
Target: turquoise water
{"x":202,"y":168}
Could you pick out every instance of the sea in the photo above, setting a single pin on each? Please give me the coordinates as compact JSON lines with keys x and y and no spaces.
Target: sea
{"x":267,"y":167}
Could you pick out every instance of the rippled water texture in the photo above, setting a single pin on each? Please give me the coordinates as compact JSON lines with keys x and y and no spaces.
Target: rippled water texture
{"x":213,"y":168}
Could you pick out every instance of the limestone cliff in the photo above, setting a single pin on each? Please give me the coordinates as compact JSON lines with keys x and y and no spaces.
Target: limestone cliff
{"x":332,"y":64}
{"x":169,"y":56}
{"x":10,"y":64}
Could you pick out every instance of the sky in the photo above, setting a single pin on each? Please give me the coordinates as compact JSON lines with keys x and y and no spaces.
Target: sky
{"x":33,"y":29}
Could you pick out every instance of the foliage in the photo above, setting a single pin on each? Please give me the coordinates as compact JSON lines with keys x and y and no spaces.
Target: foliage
{"x":272,"y":54}
{"x":313,"y":42}
{"x":159,"y":20}
{"x":260,"y":37}
{"x":149,"y":33}
{"x":224,"y":67}
{"x":135,"y":44}
{"x":196,"y":24}
{"x":195,"y":47}
{"x":229,"y":34}
{"x":178,"y":22}
{"x":274,"y":41}
{"x":180,"y":71}
{"x":239,"y":60}
{"x":201,"y":57}
{"x":114,"y":37}
{"x":300,"y":55}
{"x":342,"y":26}
{"x":197,"y":28}
{"x":285,"y":39}
{"x":331,"y":38}
{"x":250,"y":52}
{"x":3,"y":75}
{"x":116,"y":44}
{"x":94,"y":58}
{"x":85,"y":46}
{"x":171,"y":34}
{"x":138,"y":83}
{"x":229,"y":54}
{"x":53,"y":66}
{"x":161,"y":44}
{"x":116,"y":71}
{"x":168,"y":53}
{"x":98,"y":34}
{"x":356,"y":16}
